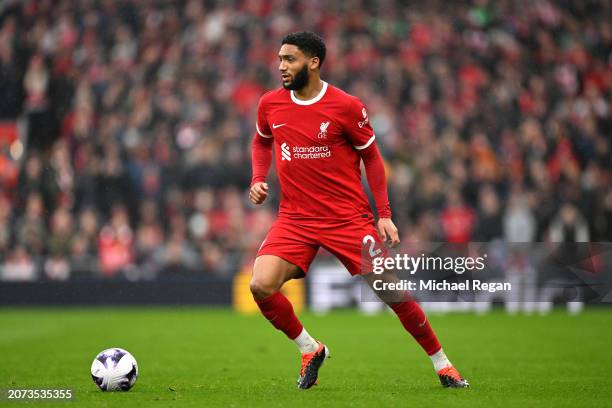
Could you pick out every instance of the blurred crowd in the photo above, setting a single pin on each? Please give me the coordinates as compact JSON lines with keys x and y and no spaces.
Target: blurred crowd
{"x":136,"y":116}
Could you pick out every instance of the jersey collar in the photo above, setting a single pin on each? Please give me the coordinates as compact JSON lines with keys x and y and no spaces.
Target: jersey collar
{"x":313,"y":100}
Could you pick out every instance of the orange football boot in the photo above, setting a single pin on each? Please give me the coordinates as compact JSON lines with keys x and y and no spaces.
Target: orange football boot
{"x":450,"y":377}
{"x":311,"y":363}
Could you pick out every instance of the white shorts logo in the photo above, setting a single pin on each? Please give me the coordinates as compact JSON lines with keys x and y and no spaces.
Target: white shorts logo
{"x":285,"y":152}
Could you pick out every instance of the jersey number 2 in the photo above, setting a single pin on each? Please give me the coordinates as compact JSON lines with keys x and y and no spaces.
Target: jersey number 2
{"x":368,"y":239}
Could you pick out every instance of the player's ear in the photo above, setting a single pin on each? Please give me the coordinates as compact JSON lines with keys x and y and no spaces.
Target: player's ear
{"x":314,"y":63}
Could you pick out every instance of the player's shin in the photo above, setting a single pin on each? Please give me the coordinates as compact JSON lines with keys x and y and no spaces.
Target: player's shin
{"x":415,"y":322}
{"x":408,"y":311}
{"x":279,"y":312}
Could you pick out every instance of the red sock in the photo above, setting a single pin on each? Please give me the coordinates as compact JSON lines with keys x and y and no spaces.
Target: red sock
{"x":278,"y":310}
{"x":415,"y":322}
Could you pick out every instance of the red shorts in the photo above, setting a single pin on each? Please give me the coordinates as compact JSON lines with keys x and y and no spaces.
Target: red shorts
{"x":354,"y":242}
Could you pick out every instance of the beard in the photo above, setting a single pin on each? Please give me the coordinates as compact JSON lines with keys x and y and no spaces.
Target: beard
{"x":299,"y":81}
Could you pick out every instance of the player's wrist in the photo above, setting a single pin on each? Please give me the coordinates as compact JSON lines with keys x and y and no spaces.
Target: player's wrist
{"x":384,"y":215}
{"x":256,"y":180}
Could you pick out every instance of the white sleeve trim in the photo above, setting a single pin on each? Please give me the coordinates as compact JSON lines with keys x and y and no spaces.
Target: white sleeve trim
{"x":260,"y":133}
{"x":367,"y":144}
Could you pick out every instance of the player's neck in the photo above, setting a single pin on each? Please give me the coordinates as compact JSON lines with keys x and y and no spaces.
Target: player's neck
{"x":311,"y":90}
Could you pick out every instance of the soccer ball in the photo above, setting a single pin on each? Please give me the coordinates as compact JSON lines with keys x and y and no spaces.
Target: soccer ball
{"x":114,"y":369}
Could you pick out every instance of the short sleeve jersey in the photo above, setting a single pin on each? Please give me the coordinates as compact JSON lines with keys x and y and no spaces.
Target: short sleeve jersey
{"x":316,"y":151}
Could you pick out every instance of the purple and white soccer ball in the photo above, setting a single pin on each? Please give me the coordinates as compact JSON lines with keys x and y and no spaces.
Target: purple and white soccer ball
{"x":114,"y":369}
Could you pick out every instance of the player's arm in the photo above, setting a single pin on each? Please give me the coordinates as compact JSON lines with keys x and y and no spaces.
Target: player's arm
{"x":261,"y":158}
{"x":375,"y":173}
{"x":361,"y":135}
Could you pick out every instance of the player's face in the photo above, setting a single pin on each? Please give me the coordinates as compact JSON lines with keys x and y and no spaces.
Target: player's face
{"x":294,"y":67}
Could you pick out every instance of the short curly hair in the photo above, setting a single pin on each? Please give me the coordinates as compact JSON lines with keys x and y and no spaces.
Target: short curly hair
{"x":307,"y":42}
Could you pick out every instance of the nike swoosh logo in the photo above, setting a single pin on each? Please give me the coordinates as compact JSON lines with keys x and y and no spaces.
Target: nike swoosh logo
{"x":423,"y":324}
{"x":274,"y":126}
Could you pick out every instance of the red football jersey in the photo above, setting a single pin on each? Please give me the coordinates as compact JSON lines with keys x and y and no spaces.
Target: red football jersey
{"x":316,"y":143}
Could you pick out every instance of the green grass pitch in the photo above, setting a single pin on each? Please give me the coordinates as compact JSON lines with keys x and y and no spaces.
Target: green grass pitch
{"x":197,"y":357}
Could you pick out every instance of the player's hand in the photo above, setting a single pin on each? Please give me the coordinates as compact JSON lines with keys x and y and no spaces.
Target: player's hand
{"x":388,"y":232}
{"x":258,"y":193}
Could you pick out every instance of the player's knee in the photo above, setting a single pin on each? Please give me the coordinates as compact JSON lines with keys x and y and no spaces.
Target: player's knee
{"x":260,"y":289}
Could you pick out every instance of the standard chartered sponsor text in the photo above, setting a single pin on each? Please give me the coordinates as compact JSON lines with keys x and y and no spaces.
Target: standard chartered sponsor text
{"x":311,"y":152}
